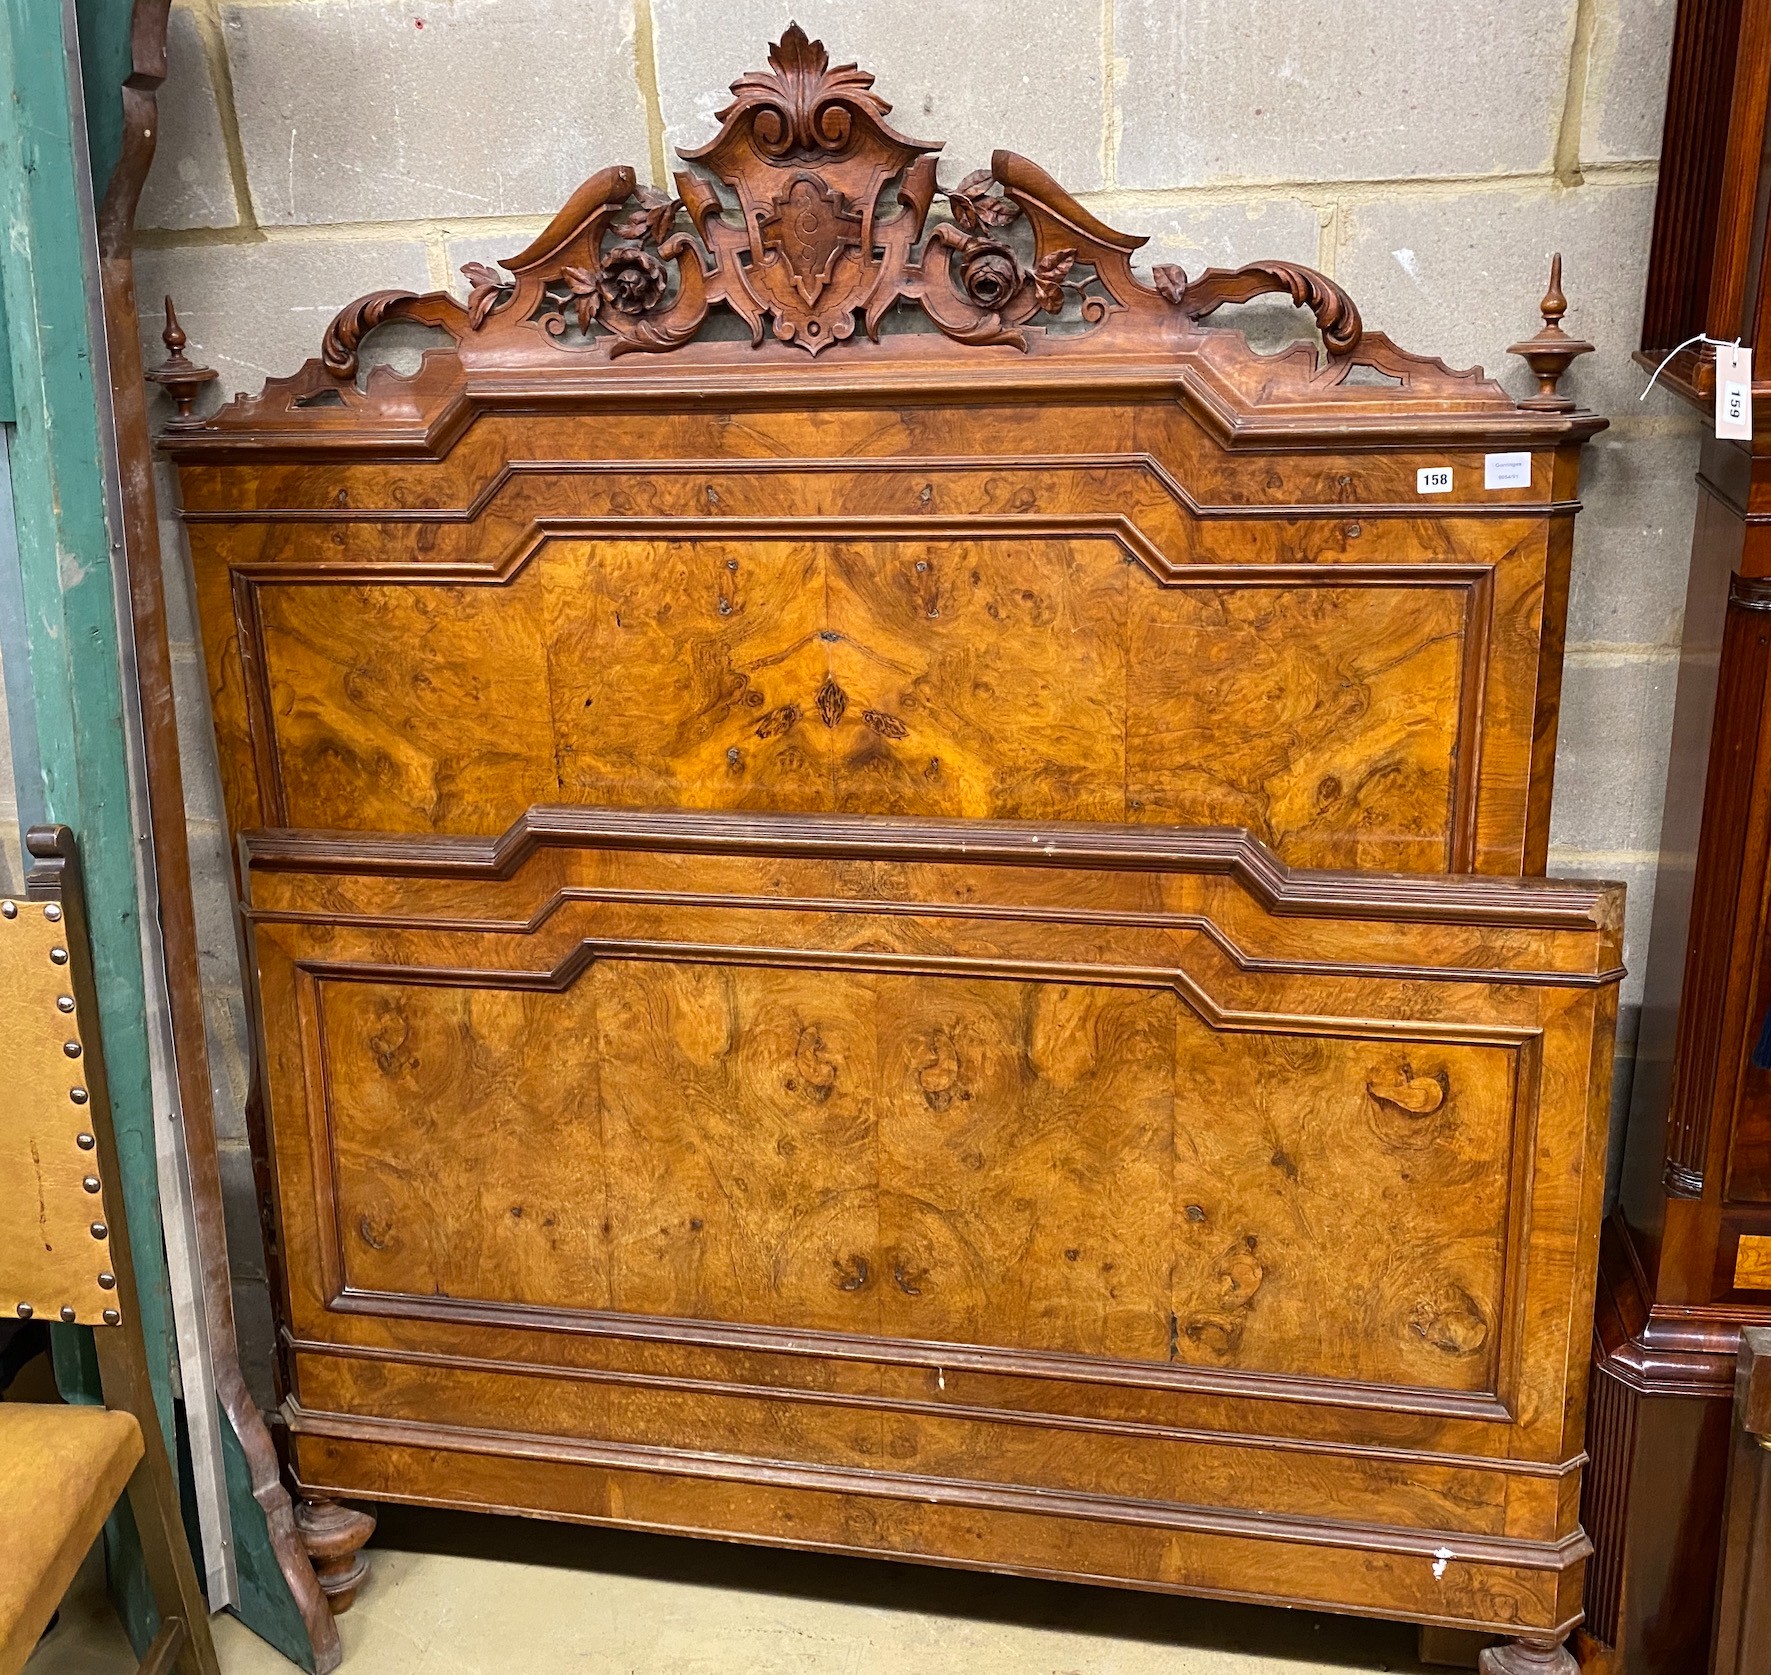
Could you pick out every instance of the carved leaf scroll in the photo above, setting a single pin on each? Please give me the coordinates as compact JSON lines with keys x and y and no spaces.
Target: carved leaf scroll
{"x":1337,"y":316}
{"x":975,"y":207}
{"x":824,"y":225}
{"x":814,"y":221}
{"x":487,"y":285}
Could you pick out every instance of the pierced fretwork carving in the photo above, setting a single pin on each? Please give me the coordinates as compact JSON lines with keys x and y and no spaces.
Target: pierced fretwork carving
{"x":821,"y":226}
{"x":813,"y":222}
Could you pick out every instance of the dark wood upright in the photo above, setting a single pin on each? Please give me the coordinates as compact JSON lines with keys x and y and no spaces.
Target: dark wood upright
{"x":1687,"y":1257}
{"x":1743,"y":1601}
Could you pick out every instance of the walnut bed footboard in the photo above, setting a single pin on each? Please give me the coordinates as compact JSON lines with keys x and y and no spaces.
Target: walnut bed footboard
{"x":1098,"y":1202}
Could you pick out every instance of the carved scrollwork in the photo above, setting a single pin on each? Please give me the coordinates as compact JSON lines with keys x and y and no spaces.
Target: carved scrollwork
{"x":338,"y":347}
{"x":818,"y":244}
{"x":814,"y":222}
{"x":800,"y":105}
{"x":1337,"y":316}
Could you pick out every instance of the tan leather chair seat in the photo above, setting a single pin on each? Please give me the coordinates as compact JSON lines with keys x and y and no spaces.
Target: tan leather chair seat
{"x":62,"y":1469}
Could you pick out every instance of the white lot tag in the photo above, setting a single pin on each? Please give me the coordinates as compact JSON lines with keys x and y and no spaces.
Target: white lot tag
{"x":1506,"y":471}
{"x":1734,"y":391}
{"x":1433,"y":479}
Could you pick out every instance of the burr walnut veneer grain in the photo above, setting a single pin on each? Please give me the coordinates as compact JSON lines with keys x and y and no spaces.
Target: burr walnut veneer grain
{"x":1087,"y":1201}
{"x":753,"y":1037}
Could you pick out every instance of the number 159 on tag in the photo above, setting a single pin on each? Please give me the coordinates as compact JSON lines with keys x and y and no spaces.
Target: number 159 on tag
{"x":1734,"y":392}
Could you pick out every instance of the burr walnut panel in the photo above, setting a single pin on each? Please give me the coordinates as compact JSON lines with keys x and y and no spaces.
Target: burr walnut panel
{"x":1041,"y":1166}
{"x":1003,"y":679}
{"x":916,"y":637}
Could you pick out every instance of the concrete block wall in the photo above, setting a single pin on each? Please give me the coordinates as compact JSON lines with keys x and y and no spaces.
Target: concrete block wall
{"x":1430,"y":158}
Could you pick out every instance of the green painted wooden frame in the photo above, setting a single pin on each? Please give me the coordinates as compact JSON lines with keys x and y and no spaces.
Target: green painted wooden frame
{"x":67,"y":556}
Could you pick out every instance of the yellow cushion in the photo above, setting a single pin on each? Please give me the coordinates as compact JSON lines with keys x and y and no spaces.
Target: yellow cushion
{"x":62,"y":1469}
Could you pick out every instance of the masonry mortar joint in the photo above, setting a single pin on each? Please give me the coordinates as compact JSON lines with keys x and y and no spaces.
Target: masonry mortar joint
{"x":1130,"y":201}
{"x":218,"y":66}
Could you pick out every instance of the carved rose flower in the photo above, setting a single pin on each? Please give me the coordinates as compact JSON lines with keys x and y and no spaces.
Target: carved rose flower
{"x":632,"y":280}
{"x":990,"y":276}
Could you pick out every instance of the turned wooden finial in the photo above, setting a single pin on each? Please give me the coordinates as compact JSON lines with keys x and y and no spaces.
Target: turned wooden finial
{"x":180,"y":377}
{"x":1550,"y":353}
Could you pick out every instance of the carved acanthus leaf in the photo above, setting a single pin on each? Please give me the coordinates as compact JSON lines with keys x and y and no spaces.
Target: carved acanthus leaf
{"x":488,"y":285}
{"x":338,"y":348}
{"x":808,"y":217}
{"x":1337,"y":317}
{"x":800,"y":104}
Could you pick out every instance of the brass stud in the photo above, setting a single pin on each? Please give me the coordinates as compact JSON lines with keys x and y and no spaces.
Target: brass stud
{"x":9,"y":908}
{"x":25,"y":1311}
{"x":84,"y":1141}
{"x":64,"y":1003}
{"x":58,"y":956}
{"x":112,"y":1318}
{"x":78,"y":1095}
{"x":90,"y":1183}
{"x":71,"y":1048}
{"x":107,"y":1282}
{"x":100,"y":1231}
{"x":67,"y":1313}
{"x":51,"y":911}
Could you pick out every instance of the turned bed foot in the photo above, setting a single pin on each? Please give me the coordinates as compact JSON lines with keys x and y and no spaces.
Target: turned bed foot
{"x":334,"y":1536}
{"x":1526,"y":1657}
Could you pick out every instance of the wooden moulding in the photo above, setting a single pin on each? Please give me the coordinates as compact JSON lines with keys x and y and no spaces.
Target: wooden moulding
{"x":1280,"y":889}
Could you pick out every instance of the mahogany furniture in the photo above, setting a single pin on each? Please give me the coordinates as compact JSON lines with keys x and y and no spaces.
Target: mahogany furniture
{"x":64,"y":1255}
{"x":754,"y":1038}
{"x":1743,"y":1598}
{"x":1683,"y":1267}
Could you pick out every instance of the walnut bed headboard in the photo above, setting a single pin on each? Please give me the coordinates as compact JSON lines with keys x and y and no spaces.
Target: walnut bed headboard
{"x":782,"y":495}
{"x":617,"y":1048}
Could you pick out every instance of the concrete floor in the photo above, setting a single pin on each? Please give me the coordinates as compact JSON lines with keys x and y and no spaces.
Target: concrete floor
{"x":453,"y":1595}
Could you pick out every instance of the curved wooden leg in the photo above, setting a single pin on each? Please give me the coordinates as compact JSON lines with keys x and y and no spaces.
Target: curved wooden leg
{"x":1528,"y":1657}
{"x":334,"y":1535}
